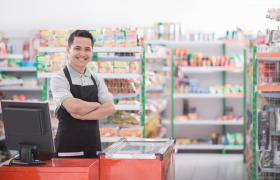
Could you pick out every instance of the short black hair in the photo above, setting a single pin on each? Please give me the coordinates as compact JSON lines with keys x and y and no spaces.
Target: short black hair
{"x":80,"y":33}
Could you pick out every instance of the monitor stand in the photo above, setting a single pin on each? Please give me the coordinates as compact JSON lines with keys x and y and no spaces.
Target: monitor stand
{"x":27,"y":156}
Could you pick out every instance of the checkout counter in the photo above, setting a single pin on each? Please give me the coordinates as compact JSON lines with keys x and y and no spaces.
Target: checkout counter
{"x":138,"y":159}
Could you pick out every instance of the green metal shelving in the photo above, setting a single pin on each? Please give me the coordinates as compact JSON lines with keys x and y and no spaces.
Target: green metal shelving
{"x":244,"y":102}
{"x":143,"y":91}
{"x":254,"y":116}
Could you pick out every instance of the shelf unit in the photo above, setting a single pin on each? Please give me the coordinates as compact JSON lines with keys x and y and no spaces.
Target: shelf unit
{"x":17,"y":69}
{"x":215,"y":48}
{"x":11,"y":56}
{"x":105,"y":50}
{"x":158,"y":96}
{"x":265,"y":92}
{"x":206,"y":122}
{"x":15,"y":85}
{"x":208,"y":147}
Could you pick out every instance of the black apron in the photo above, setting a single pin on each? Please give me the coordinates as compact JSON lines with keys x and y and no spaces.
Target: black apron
{"x":75,"y":135}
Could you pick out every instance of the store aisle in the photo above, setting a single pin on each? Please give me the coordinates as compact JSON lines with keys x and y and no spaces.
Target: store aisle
{"x":210,"y":167}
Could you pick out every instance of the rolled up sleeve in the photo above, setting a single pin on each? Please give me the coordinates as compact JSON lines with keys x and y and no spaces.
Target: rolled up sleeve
{"x":60,"y":89}
{"x":104,"y":96}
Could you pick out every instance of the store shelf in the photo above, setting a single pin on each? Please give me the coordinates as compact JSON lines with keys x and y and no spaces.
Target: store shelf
{"x":159,"y":69}
{"x":268,"y":88}
{"x":155,"y":89}
{"x":209,"y":147}
{"x":202,"y":69}
{"x":275,"y":133}
{"x":123,"y":96}
{"x":20,"y":88}
{"x":183,"y":96}
{"x":204,"y":122}
{"x":118,"y":58}
{"x":45,"y":75}
{"x":118,"y":49}
{"x":18,"y":69}
{"x":118,"y":75}
{"x":234,"y":41}
{"x":200,"y":147}
{"x":114,"y":139}
{"x":233,"y":96}
{"x":270,"y":94}
{"x":270,"y":170}
{"x":192,"y":95}
{"x":51,"y":49}
{"x":270,"y":56}
{"x":95,"y":49}
{"x":11,"y":56}
{"x":233,"y":147}
{"x":127,"y":107}
{"x":233,"y":70}
{"x":210,"y":69}
{"x":150,"y":56}
{"x":11,"y":82}
{"x":173,"y":43}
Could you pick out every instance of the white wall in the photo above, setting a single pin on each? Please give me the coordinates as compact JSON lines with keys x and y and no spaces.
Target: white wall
{"x":200,"y":15}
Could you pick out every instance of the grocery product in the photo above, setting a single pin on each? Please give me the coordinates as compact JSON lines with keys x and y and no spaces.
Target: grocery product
{"x":121,"y":86}
{"x":123,"y":118}
{"x":135,"y":132}
{"x":108,"y":131}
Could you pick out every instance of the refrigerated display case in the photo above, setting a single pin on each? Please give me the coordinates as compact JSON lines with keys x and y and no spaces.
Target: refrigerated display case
{"x":138,"y":159}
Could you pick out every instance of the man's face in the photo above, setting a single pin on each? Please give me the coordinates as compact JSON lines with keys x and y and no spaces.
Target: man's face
{"x":80,"y":52}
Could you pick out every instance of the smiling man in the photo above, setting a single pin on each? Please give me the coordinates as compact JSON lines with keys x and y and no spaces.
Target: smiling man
{"x":82,"y":99}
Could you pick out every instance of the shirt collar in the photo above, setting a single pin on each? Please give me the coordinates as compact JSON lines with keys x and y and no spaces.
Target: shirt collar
{"x":75,"y":73}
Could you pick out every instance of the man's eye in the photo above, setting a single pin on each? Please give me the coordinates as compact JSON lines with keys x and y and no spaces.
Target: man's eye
{"x":77,"y":48}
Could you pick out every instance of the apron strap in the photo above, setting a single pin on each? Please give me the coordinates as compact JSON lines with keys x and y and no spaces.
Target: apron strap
{"x":94,"y":82}
{"x":67,"y":75}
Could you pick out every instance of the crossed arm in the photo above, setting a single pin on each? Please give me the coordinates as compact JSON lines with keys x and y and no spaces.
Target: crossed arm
{"x":84,"y":110}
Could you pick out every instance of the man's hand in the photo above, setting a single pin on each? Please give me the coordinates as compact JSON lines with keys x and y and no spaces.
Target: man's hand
{"x":76,"y":116}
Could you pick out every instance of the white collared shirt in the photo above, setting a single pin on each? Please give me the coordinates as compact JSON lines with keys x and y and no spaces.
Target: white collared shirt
{"x":60,"y":87}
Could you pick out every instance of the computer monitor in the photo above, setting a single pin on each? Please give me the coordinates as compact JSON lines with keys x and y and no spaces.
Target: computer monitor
{"x":28,"y":130}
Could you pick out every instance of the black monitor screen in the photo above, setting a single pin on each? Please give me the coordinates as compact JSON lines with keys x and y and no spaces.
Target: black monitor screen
{"x":27,"y":125}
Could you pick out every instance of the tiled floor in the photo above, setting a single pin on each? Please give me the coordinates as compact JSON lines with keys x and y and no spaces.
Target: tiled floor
{"x":210,"y":167}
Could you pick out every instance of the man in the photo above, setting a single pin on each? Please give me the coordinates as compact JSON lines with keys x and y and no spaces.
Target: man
{"x":82,"y":99}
